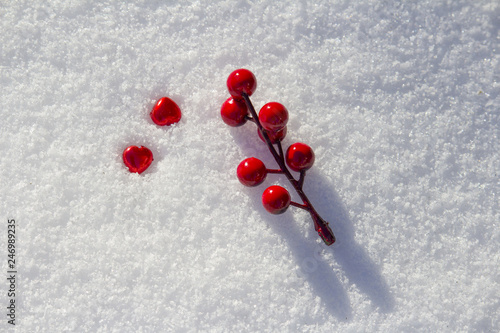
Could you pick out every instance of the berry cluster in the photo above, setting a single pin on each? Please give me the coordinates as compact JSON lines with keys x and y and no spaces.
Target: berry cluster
{"x":271,"y":128}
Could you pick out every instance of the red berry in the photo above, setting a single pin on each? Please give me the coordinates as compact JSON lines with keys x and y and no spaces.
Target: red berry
{"x":234,"y":112}
{"x":137,"y":159}
{"x":273,"y":116}
{"x":241,"y":80}
{"x":165,"y":112}
{"x":276,"y":199}
{"x":274,"y":136}
{"x":299,"y":156}
{"x":251,"y":171}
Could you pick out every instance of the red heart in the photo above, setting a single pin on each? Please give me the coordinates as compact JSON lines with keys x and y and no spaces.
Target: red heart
{"x":165,"y":112}
{"x":137,"y":159}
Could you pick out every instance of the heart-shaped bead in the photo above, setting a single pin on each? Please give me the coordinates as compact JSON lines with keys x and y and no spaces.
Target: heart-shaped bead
{"x":137,"y":159}
{"x":165,"y":112}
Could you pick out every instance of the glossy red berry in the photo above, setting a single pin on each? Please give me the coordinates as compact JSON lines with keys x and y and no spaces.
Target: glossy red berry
{"x":273,"y":116}
{"x":299,"y":156}
{"x":234,"y":112}
{"x":276,"y":199}
{"x":241,"y":80}
{"x":274,"y":136}
{"x":165,"y":112}
{"x":251,"y":172}
{"x":137,"y":159}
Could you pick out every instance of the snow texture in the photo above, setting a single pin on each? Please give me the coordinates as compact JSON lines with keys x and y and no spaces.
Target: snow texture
{"x":399,"y":100}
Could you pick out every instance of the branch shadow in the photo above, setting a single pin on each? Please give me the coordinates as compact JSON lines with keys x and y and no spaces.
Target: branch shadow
{"x":307,"y":253}
{"x":359,"y":268}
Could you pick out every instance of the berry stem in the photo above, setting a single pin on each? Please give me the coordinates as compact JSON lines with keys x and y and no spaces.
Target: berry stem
{"x":296,"y":204}
{"x":320,"y":225}
{"x":302,"y":177}
{"x":280,"y":149}
{"x":274,"y":171}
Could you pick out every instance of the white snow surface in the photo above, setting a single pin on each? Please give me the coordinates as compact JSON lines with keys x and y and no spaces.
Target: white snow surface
{"x":399,"y":100}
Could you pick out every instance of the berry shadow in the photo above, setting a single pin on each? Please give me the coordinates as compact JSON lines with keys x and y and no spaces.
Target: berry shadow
{"x":357,"y":265}
{"x":311,"y":267}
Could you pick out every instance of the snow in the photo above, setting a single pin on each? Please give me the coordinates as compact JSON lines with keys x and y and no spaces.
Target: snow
{"x":400,"y":102}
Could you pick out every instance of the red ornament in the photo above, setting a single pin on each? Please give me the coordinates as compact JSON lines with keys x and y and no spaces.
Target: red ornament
{"x":276,"y":199}
{"x":234,"y":112}
{"x":137,"y":159}
{"x":299,"y":156}
{"x":273,"y":116}
{"x":165,"y":112}
{"x":251,"y":172}
{"x":241,"y":80}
